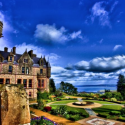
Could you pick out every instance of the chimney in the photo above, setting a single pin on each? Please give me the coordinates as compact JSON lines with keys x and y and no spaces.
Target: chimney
{"x":14,"y":50}
{"x":31,"y":53}
{"x":5,"y":49}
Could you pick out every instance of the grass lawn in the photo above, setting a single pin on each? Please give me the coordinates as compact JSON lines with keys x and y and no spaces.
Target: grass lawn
{"x":65,"y":101}
{"x":107,"y":108}
{"x":101,"y":102}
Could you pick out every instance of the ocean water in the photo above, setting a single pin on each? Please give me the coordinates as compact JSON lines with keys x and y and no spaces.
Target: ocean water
{"x":95,"y":88}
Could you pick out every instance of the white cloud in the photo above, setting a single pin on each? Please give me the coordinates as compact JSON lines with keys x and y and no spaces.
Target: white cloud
{"x":57,"y":69}
{"x":20,"y":49}
{"x":6,"y":26}
{"x":102,"y":64}
{"x":116,"y":47}
{"x":99,"y":11}
{"x":75,"y":35}
{"x":113,"y":6}
{"x":101,"y":41}
{"x":49,"y":33}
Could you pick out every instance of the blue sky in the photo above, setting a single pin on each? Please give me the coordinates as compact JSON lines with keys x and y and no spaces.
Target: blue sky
{"x":84,"y":40}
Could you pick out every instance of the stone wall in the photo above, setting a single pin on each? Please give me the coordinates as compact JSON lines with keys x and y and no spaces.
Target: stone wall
{"x":14,"y":105}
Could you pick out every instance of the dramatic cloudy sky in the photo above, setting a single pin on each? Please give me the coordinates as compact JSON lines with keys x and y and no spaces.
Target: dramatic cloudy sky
{"x":84,"y":40}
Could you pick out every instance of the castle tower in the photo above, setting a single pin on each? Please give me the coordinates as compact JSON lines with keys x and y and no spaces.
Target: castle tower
{"x":1,"y":28}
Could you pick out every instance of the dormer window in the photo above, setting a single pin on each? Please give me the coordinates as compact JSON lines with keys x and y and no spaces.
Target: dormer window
{"x":25,"y":60}
{"x":27,"y":70}
{"x":10,"y":68}
{"x":23,"y":70}
{"x":10,"y":58}
{"x":41,"y":71}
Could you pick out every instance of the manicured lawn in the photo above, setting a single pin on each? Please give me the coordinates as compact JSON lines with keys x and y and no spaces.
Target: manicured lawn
{"x":65,"y":101}
{"x":101,"y":102}
{"x":107,"y":108}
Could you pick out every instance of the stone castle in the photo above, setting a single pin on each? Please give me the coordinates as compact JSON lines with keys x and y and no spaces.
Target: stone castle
{"x":26,"y":69}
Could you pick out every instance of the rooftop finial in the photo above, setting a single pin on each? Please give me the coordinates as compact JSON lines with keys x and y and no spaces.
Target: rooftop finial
{"x":26,"y":50}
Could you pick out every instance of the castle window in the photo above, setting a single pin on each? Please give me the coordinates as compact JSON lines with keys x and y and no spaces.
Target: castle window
{"x":27,"y":70}
{"x":42,"y":82}
{"x":41,"y":71}
{"x":38,"y":82}
{"x":10,"y":58}
{"x":25,"y":60}
{"x":30,"y":82}
{"x":10,"y":68}
{"x":18,"y":81}
{"x":25,"y":83}
{"x":1,"y":81}
{"x":23,"y":69}
{"x":7,"y":81}
{"x":30,"y":94}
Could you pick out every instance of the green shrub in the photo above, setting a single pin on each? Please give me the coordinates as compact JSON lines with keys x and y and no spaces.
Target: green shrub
{"x":123,"y":102}
{"x":74,"y":117}
{"x":115,"y":112}
{"x":111,"y":117}
{"x":41,"y":104}
{"x":113,"y":99}
{"x":123,"y":111}
{"x":67,"y":116}
{"x":73,"y":112}
{"x":103,"y":115}
{"x":106,"y":99}
{"x":121,"y":119}
{"x":44,"y":95}
{"x":100,"y":99}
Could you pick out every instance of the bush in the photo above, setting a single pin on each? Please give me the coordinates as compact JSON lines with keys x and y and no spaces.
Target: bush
{"x":103,"y":115}
{"x":74,"y":117}
{"x":121,"y":119}
{"x":123,"y":102}
{"x":100,"y":99}
{"x":106,"y":99}
{"x":123,"y":111}
{"x":113,"y":99}
{"x":73,"y":112}
{"x":47,"y":108}
{"x":111,"y":117}
{"x":115,"y":113}
{"x":41,"y":104}
{"x":44,"y":95}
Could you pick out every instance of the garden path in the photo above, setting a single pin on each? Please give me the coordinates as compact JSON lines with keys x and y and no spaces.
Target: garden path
{"x":90,"y":111}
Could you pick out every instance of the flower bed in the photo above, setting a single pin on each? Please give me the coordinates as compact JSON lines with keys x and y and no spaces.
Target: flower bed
{"x":45,"y":119}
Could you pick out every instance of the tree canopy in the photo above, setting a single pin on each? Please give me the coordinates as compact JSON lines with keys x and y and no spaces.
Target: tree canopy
{"x":121,"y":85}
{"x":52,"y":87}
{"x":68,"y":88}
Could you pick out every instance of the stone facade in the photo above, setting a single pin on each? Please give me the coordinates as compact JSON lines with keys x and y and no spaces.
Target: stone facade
{"x":14,"y":108}
{"x":26,"y":69}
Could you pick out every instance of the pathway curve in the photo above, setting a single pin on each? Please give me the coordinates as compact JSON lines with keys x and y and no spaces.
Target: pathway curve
{"x":90,"y":111}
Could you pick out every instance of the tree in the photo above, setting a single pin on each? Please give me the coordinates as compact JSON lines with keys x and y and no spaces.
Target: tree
{"x":121,"y":85}
{"x":52,"y":86}
{"x":68,"y":88}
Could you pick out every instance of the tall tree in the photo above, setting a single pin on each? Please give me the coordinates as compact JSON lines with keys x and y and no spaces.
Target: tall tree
{"x":121,"y":85}
{"x":52,"y":86}
{"x":68,"y":88}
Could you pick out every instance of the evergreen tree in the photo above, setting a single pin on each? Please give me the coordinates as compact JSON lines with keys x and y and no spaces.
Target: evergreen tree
{"x":52,"y":86}
{"x":121,"y":85}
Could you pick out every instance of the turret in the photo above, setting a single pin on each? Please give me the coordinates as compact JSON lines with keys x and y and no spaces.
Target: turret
{"x":1,"y":29}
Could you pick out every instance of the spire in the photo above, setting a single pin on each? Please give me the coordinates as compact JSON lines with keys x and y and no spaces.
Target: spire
{"x":41,"y":56}
{"x":11,"y":50}
{"x":26,"y":50}
{"x":48,"y":58}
